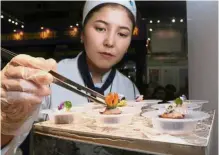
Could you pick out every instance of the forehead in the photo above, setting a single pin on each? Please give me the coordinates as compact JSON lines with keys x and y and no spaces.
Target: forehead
{"x":117,"y":15}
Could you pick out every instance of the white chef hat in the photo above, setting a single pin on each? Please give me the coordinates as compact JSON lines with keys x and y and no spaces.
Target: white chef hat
{"x":90,"y":4}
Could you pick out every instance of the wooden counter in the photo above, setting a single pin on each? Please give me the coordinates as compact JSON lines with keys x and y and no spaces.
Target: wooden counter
{"x":139,"y":136}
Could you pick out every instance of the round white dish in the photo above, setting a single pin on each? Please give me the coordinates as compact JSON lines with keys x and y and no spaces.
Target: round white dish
{"x":152,"y":101}
{"x":176,"y":126}
{"x":93,"y":106}
{"x":137,"y":105}
{"x":142,"y":103}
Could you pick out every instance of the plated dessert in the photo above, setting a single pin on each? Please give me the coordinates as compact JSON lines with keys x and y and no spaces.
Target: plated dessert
{"x":175,"y":122}
{"x":112,"y":100}
{"x":63,"y":115}
{"x":175,"y":110}
{"x":112,"y":114}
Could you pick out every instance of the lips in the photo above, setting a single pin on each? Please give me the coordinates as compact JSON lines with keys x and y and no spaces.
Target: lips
{"x":106,"y":55}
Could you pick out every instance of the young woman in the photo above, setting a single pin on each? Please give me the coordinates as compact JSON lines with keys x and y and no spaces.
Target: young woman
{"x":107,"y":33}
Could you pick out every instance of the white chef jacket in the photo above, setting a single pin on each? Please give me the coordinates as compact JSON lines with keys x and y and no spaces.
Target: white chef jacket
{"x":69,"y":68}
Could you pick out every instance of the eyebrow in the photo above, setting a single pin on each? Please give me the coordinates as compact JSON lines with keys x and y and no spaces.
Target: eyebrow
{"x":104,"y":22}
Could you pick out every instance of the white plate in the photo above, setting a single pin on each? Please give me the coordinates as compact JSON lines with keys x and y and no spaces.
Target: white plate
{"x":193,"y":101}
{"x":148,"y":102}
{"x":135,"y":104}
{"x":92,"y":106}
{"x":152,"y":101}
{"x":189,"y":106}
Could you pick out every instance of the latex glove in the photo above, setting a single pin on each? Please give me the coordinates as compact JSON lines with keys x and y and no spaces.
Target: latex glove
{"x":24,"y":82}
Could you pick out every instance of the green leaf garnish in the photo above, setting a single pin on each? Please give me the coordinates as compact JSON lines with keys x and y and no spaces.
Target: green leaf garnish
{"x":68,"y":105}
{"x":178,"y":101}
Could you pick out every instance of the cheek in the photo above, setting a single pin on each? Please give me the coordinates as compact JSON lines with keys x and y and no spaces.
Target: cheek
{"x":92,"y":42}
{"x":122,"y":48}
{"x":89,"y":41}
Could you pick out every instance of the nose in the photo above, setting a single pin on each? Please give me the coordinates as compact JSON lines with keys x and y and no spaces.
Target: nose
{"x":109,"y":41}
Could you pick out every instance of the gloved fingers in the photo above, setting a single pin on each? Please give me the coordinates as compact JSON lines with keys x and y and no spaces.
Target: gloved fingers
{"x":37,"y":63}
{"x":15,"y":112}
{"x":29,"y":75}
{"x":52,"y":63}
{"x":17,"y":106}
{"x":36,"y":75}
{"x":3,"y":93}
{"x":25,"y":86}
{"x":15,"y":97}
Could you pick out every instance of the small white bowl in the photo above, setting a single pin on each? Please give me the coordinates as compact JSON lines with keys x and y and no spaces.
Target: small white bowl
{"x":124,"y":118}
{"x":75,"y":115}
{"x":176,"y":126}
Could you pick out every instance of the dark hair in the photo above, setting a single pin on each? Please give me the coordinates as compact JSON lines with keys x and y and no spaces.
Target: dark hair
{"x":170,"y":87}
{"x":158,"y":88}
{"x":97,"y":8}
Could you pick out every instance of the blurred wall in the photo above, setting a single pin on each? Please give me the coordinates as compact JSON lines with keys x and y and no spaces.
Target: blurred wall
{"x":202,"y":19}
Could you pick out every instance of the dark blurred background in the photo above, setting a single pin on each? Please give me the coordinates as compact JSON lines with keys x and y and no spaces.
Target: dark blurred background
{"x":157,"y":55}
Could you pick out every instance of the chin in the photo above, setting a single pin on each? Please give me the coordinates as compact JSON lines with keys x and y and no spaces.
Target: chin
{"x":104,"y":66}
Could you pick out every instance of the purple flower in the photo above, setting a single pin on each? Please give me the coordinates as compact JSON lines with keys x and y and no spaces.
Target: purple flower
{"x":61,"y":106}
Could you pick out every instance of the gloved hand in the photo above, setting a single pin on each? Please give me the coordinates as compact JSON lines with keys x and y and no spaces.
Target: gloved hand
{"x":24,"y":82}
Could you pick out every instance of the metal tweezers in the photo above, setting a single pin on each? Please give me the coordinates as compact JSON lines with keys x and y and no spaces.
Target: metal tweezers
{"x":65,"y":82}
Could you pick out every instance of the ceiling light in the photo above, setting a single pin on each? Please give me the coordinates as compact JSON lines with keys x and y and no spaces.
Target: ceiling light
{"x":158,"y":21}
{"x":12,"y":21}
{"x":2,"y":16}
{"x":41,"y":27}
{"x":77,"y":24}
{"x":16,"y":23}
{"x":150,"y":29}
{"x":9,"y":20}
{"x":149,"y":38}
{"x":14,"y":30}
{"x":181,"y":20}
{"x":173,"y":20}
{"x":22,"y":26}
{"x":151,"y":21}
{"x":71,"y":26}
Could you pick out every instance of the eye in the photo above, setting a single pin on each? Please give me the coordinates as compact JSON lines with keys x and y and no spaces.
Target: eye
{"x":99,"y":29}
{"x":123,"y":35}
